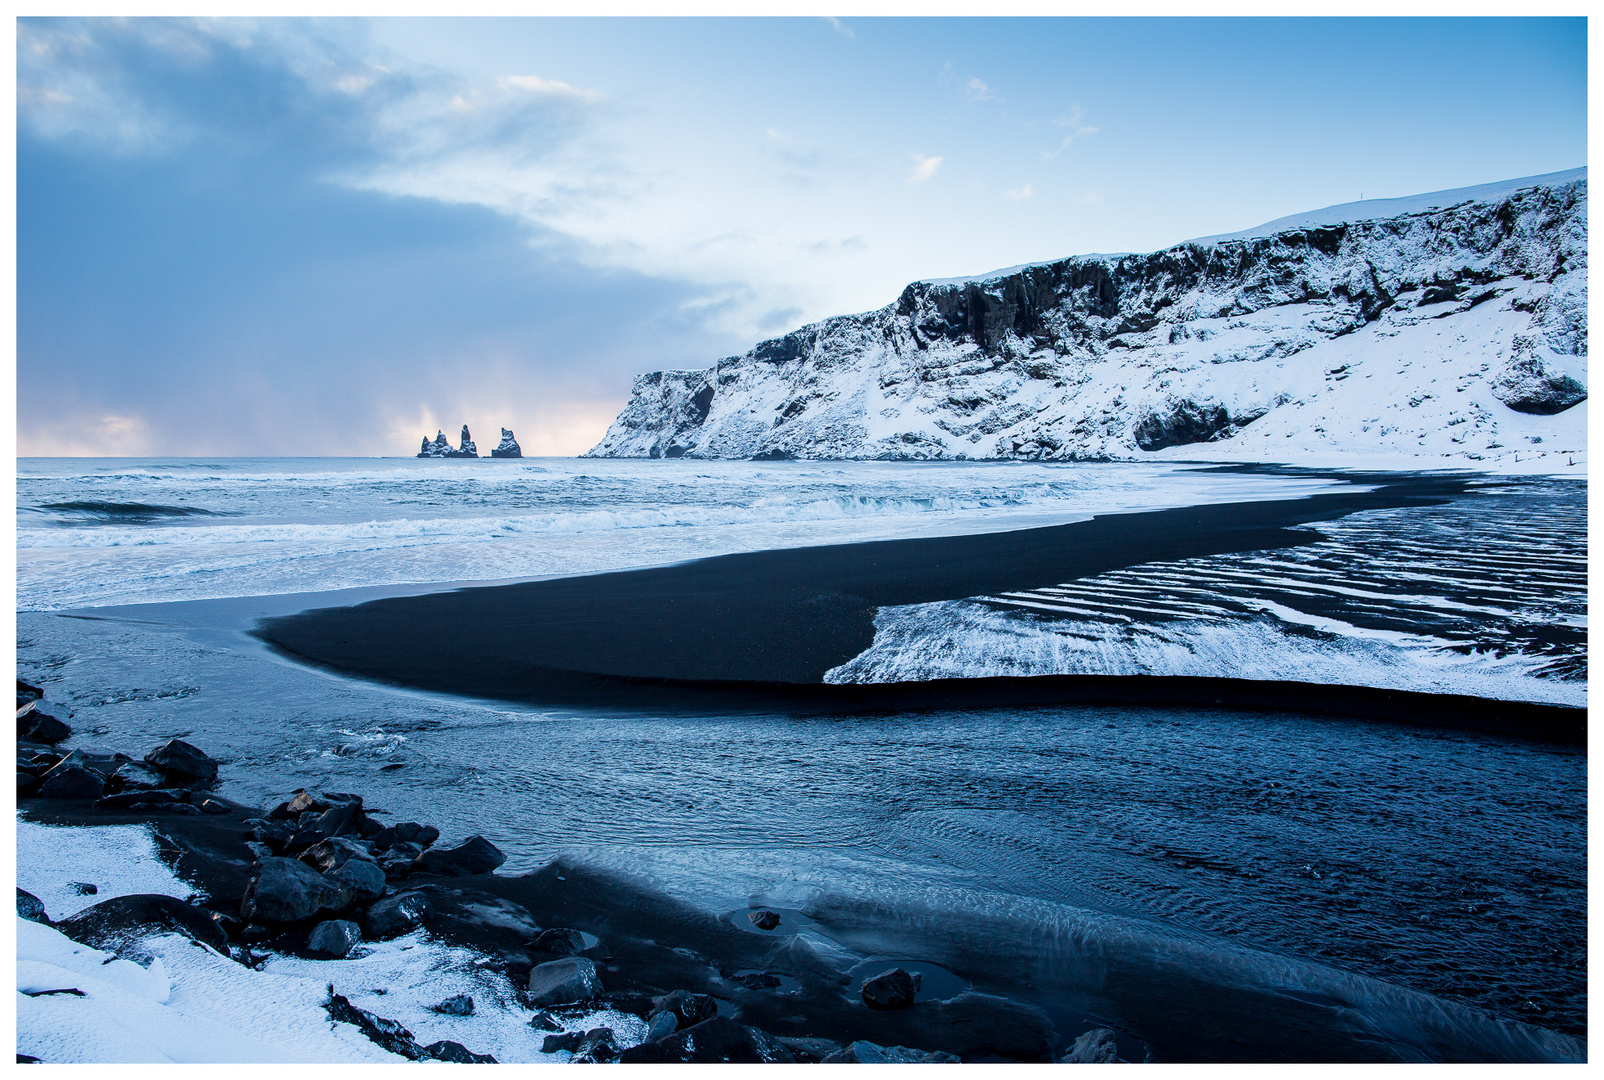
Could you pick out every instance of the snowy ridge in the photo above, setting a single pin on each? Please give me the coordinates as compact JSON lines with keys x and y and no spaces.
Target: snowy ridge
{"x":1451,"y":333}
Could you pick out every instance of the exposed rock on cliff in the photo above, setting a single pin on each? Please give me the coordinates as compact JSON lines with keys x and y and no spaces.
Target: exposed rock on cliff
{"x":508,"y":447}
{"x":1449,"y":325}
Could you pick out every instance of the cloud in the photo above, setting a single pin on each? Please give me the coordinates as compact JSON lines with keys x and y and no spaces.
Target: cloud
{"x":534,"y":84}
{"x":976,"y":90}
{"x":839,"y":27}
{"x":923,"y":169}
{"x":1074,"y":129}
{"x":1018,"y":194}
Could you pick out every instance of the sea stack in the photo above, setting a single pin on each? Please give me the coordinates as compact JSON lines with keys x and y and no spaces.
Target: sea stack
{"x":508,"y":447}
{"x":441,"y":447}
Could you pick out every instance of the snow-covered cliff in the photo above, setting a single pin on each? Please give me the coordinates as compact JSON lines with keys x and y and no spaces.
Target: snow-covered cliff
{"x":1446,"y":326}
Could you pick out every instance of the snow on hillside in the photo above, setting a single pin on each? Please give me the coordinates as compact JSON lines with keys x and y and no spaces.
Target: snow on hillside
{"x":1443,"y":330}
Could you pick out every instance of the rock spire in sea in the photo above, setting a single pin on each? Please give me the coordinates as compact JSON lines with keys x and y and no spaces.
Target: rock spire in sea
{"x":508,"y":447}
{"x":442,"y":448}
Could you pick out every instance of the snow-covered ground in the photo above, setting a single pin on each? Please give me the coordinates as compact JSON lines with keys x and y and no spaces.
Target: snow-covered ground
{"x":192,"y":1005}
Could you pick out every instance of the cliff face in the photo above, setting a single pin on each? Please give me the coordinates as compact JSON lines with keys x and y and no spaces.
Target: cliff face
{"x":1457,"y":329}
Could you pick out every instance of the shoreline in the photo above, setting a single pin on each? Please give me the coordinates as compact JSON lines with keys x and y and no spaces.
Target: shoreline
{"x":783,"y":616}
{"x":1161,"y":999}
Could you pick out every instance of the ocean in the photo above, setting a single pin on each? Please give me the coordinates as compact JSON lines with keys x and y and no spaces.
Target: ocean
{"x":1388,"y":860}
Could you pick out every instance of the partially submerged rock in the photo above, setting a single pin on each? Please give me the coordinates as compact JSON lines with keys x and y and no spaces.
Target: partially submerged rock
{"x":397,"y":915}
{"x":475,"y":855}
{"x":179,"y":760}
{"x":718,"y":1039}
{"x":864,"y":1052}
{"x":894,"y":989}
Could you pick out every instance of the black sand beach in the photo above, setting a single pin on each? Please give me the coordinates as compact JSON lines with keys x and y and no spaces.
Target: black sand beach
{"x":759,"y":630}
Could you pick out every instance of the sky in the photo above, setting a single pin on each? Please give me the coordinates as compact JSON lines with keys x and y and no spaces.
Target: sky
{"x":325,"y":237}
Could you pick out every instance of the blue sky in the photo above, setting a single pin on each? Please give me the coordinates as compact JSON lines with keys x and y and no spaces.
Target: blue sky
{"x":330,"y":237}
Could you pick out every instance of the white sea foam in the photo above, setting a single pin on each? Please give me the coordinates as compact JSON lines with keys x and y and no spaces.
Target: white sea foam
{"x":964,"y":640}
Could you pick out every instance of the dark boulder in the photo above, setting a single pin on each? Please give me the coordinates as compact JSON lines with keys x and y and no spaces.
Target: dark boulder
{"x":446,"y":1050}
{"x":564,"y":1042}
{"x":388,"y":1034}
{"x":807,"y":1049}
{"x":475,"y":855}
{"x":335,"y":937}
{"x":687,"y":1008}
{"x":460,"y":1005}
{"x":30,"y":907}
{"x":397,"y":915}
{"x":287,"y":890}
{"x":41,"y":727}
{"x":545,"y":1021}
{"x":363,"y":878}
{"x":764,"y":920}
{"x":115,"y":924}
{"x":573,"y":978}
{"x":894,"y":989}
{"x":68,"y":781}
{"x":181,"y":809}
{"x":183,"y":762}
{"x":326,"y":855}
{"x":339,"y":819}
{"x":559,"y":941}
{"x":132,"y":776}
{"x":599,"y":1045}
{"x":125,"y":800}
{"x":719,"y":1039}
{"x":84,"y":888}
{"x":213,"y":806}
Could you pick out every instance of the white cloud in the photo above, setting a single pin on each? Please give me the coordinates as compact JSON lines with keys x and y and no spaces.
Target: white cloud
{"x":354,"y":85}
{"x":550,"y":88}
{"x":1074,"y":129}
{"x":839,"y":27}
{"x":1018,"y":194}
{"x":976,"y":90}
{"x":923,"y":169}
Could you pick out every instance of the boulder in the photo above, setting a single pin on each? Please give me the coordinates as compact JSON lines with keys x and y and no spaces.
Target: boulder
{"x":41,"y":727}
{"x":507,"y":447}
{"x":326,"y":855}
{"x":181,"y":761}
{"x":397,"y":915}
{"x":573,"y":978}
{"x":84,"y":888}
{"x":460,"y":1005}
{"x":181,"y":809}
{"x":661,"y":1024}
{"x":599,"y":1045}
{"x":863,"y":1052}
{"x":30,"y":907}
{"x":132,"y":776}
{"x":475,"y":855}
{"x":287,"y":890}
{"x":764,"y":920}
{"x":336,"y":938}
{"x":545,"y":1021}
{"x":559,"y":941}
{"x":563,"y":1042}
{"x":25,"y":782}
{"x":68,"y":781}
{"x":388,"y":1034}
{"x":719,"y":1039}
{"x":1527,"y":385}
{"x":363,"y":878}
{"x":406,"y":832}
{"x":446,"y":1050}
{"x":213,"y":806}
{"x":338,"y":820}
{"x":688,"y":1009}
{"x":116,"y":924}
{"x":1095,"y":1047}
{"x":894,"y":989}
{"x":808,"y":1050}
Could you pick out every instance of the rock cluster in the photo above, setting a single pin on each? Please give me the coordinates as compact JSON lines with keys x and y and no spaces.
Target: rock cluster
{"x":441,"y":448}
